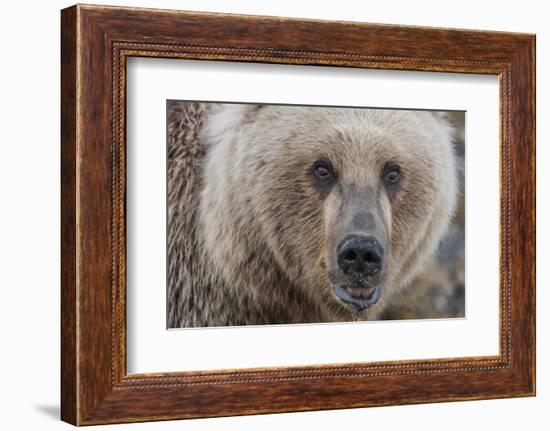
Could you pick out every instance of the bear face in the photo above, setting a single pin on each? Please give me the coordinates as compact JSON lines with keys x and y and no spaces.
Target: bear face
{"x":339,"y":206}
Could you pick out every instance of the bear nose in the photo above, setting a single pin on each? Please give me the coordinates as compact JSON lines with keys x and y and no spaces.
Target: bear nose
{"x":360,"y":256}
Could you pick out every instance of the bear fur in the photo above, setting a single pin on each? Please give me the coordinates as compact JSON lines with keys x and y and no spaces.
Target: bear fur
{"x":252,"y":236}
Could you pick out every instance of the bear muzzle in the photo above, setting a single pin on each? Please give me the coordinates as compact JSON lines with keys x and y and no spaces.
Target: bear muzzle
{"x":360,"y":259}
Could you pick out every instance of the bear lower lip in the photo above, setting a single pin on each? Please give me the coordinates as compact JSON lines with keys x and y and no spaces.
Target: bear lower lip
{"x":361,"y":292}
{"x":361,"y":303}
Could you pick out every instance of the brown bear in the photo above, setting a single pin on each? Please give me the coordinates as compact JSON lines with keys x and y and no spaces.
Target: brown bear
{"x":295,"y":214}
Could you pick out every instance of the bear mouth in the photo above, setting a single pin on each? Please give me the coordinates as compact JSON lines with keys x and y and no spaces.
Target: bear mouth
{"x":361,"y":298}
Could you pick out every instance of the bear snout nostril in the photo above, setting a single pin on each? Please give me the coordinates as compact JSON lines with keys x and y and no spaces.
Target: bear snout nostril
{"x":371,"y":256}
{"x":349,"y":256}
{"x":360,"y":256}
{"x":373,"y":260}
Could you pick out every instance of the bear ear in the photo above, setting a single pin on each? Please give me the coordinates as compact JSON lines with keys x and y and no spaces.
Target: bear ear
{"x":226,"y":117}
{"x":442,"y":116}
{"x":448,"y":122}
{"x":225,"y":120}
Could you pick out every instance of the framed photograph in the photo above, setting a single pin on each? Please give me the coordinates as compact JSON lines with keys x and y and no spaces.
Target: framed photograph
{"x":264,"y":214}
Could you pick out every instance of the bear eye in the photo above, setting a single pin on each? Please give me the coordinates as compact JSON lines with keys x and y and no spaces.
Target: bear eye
{"x":322,"y":170}
{"x":392,"y":174}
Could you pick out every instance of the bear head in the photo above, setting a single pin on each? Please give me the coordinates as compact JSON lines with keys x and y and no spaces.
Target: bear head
{"x":340,"y":205}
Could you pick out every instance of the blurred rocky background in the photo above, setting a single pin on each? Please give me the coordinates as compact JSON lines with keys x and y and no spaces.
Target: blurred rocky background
{"x":438,"y":292}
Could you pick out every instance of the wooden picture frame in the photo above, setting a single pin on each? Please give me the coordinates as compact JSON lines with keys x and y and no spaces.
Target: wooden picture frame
{"x":96,"y":41}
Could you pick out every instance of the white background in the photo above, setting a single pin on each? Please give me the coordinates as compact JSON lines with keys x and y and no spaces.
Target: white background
{"x":151,"y":348}
{"x":29,"y":228}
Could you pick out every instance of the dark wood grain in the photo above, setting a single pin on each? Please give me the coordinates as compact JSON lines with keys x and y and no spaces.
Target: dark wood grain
{"x":96,"y":41}
{"x":68,"y":217}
